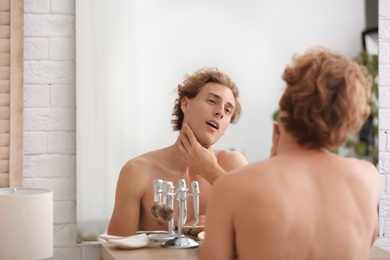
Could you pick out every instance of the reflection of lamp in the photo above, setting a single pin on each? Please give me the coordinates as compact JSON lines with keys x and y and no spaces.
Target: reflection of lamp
{"x":26,"y":223}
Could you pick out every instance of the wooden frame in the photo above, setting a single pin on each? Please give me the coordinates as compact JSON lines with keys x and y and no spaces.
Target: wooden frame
{"x":11,"y":92}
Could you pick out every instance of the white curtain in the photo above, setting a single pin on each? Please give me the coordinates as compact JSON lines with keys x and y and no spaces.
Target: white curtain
{"x":106,"y":101}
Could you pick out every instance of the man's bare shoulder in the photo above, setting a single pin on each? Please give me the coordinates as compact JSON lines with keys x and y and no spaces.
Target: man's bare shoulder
{"x":230,"y":160}
{"x":364,"y":171}
{"x":146,"y":166}
{"x":144,"y":161}
{"x":136,"y":167}
{"x":249,"y":174}
{"x":363,"y":165}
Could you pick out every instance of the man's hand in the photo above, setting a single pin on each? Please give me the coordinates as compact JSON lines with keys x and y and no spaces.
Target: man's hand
{"x":201,"y":160}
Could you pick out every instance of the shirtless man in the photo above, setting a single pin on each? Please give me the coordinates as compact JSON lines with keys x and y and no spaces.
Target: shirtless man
{"x":304,"y":202}
{"x":207,"y":103}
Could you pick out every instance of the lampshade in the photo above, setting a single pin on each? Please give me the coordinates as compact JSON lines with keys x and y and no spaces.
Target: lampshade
{"x":26,"y":223}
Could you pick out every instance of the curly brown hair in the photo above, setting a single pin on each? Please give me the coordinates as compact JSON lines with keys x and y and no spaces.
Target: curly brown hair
{"x":191,"y":86}
{"x":326,"y":99}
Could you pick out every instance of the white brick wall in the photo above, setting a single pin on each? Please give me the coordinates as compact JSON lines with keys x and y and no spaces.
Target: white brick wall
{"x":50,"y":117}
{"x":384,"y":122}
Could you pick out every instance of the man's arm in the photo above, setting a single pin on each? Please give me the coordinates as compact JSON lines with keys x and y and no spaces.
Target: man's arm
{"x":204,"y":161}
{"x":219,"y":239}
{"x":125,"y":217}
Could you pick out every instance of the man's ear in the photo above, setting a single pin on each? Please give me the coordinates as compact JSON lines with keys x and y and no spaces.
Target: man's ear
{"x":184,"y":104}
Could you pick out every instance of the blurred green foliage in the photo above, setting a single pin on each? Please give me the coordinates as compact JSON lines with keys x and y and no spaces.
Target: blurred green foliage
{"x":365,"y":144}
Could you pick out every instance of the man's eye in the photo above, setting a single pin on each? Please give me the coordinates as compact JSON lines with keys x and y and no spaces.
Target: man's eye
{"x":228,"y":111}
{"x":211,"y":101}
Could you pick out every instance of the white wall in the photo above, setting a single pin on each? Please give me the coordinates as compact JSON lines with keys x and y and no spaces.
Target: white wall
{"x":250,"y":40}
{"x":49,"y":120}
{"x":50,"y":116}
{"x":384,"y":122}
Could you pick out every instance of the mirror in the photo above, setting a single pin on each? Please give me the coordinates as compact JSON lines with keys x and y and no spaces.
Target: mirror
{"x":132,"y":54}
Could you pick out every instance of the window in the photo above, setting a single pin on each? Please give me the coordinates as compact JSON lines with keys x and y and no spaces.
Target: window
{"x":11,"y":93}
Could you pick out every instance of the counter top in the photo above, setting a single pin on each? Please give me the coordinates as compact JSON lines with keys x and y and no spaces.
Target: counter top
{"x":155,"y":251}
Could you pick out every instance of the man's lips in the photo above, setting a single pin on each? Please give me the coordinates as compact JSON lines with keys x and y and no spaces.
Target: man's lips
{"x":213,"y":124}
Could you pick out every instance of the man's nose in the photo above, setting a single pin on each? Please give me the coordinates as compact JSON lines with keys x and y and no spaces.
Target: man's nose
{"x":219,"y":111}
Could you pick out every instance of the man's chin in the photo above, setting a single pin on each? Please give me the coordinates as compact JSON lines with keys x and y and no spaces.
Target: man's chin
{"x":207,"y":144}
{"x":207,"y":141}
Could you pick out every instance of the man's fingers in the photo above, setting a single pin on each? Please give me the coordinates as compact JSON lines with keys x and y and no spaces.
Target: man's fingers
{"x":183,"y":151}
{"x":190,"y":135}
{"x":184,"y":141}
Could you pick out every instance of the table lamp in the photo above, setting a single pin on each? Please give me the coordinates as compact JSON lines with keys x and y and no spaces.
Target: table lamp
{"x":26,"y":223}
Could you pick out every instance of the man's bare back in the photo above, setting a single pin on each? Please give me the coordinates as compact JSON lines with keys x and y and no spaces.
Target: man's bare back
{"x":295,"y":190}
